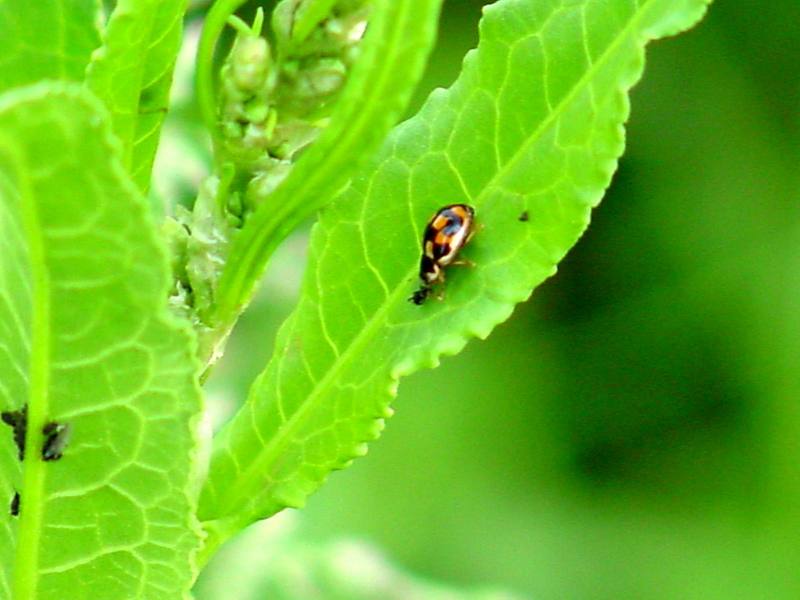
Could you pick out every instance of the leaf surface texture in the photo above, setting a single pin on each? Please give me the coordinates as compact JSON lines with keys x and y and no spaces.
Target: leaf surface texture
{"x":132,"y":74}
{"x":532,"y":128}
{"x":87,"y":342}
{"x":46,"y":40}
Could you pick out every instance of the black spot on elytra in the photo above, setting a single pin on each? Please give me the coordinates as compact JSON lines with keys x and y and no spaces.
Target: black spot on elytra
{"x":453,"y":225}
{"x":427,"y":268}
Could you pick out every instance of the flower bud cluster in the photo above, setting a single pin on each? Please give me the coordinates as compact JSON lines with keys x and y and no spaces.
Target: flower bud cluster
{"x":274,"y":100}
{"x":199,"y":240}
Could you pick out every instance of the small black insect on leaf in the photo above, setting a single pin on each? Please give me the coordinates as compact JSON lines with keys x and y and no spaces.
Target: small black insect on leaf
{"x":420,"y":295}
{"x":15,"y":505}
{"x":56,"y":439}
{"x":524,"y":216}
{"x":18,"y":421}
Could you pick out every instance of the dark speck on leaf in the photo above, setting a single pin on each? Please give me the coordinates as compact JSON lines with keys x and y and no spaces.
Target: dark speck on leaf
{"x":56,"y":439}
{"x":524,"y":216}
{"x":18,"y":421}
{"x":15,"y":505}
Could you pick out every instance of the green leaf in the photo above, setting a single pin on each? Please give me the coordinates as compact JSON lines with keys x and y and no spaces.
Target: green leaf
{"x":46,"y":40}
{"x":88,"y":343}
{"x":533,"y":125}
{"x":393,"y":54}
{"x":132,"y":74}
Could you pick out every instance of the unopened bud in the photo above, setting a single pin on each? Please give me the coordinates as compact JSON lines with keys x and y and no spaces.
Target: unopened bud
{"x":250,"y":61}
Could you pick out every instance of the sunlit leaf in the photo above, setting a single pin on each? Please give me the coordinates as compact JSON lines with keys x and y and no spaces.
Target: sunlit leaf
{"x":46,"y":40}
{"x":529,"y":135}
{"x":88,"y":344}
{"x":132,"y":74}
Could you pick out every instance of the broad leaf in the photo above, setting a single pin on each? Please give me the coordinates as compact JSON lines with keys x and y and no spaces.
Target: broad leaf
{"x":132,"y":74}
{"x":529,"y":135}
{"x":392,"y":58}
{"x":88,"y":343}
{"x":46,"y":40}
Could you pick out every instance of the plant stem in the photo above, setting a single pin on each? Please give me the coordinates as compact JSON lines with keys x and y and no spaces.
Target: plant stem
{"x":215,"y":23}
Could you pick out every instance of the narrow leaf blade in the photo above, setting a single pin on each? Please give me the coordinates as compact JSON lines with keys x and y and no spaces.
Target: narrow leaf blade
{"x":91,"y":347}
{"x":400,"y":36}
{"x":132,"y":73}
{"x":529,"y":135}
{"x":46,"y":40}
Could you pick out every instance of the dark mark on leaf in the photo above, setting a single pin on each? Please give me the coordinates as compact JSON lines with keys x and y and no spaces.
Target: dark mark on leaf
{"x":15,"y":505}
{"x":18,"y":421}
{"x":57,"y":438}
{"x":524,"y":216}
{"x":420,"y":295}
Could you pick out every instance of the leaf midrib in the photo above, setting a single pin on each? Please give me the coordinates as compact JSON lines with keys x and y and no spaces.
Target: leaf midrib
{"x":267,"y":453}
{"x":26,"y":559}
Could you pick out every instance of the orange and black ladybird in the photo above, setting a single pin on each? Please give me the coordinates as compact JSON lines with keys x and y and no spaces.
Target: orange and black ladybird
{"x":447,"y":232}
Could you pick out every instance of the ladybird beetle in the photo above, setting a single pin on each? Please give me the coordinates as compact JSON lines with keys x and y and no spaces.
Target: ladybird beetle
{"x":447,"y":232}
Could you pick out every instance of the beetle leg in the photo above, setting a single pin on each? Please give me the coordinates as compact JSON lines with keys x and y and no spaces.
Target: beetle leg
{"x":463,"y":262}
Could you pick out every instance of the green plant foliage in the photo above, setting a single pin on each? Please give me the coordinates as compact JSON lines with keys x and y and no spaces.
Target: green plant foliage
{"x":392,"y":58}
{"x":275,"y":562}
{"x":88,"y":344}
{"x":132,"y":73}
{"x":533,"y":125}
{"x":309,"y":15}
{"x":46,"y":40}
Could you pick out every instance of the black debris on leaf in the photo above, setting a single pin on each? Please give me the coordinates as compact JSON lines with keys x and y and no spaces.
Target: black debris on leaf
{"x":56,"y":439}
{"x":420,"y":295}
{"x":18,"y":421}
{"x":15,"y":505}
{"x":524,"y":216}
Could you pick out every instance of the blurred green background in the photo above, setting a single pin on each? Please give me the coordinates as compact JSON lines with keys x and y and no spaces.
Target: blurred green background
{"x":633,"y":432}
